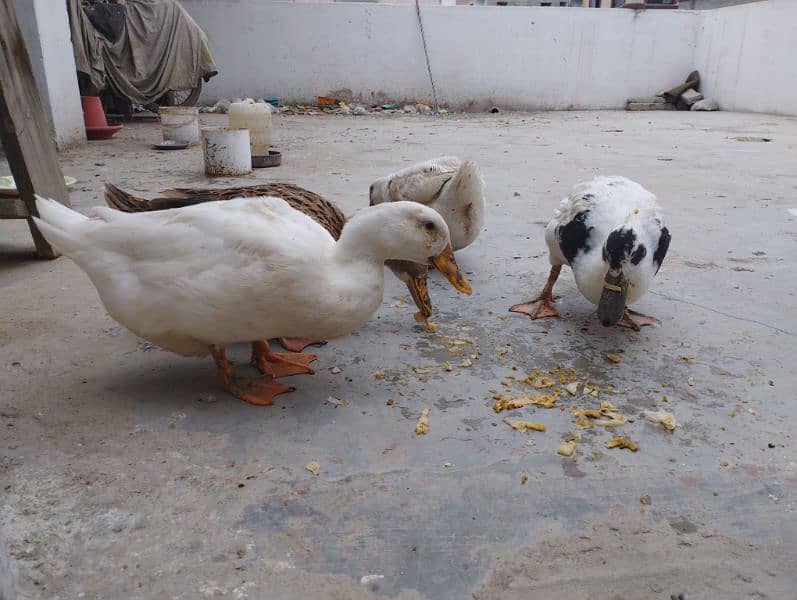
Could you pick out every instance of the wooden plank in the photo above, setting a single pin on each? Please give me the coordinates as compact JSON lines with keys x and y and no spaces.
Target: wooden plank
{"x":13,"y":208}
{"x":24,"y":129}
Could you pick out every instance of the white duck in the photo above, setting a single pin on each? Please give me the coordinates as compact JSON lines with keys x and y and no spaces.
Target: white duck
{"x":453,"y":188}
{"x":195,"y":279}
{"x":610,"y":231}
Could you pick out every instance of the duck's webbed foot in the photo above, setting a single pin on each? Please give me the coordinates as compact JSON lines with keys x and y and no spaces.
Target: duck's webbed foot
{"x":281,"y":364}
{"x":299,"y":344}
{"x":259,"y":391}
{"x":543,"y":305}
{"x":634,"y":320}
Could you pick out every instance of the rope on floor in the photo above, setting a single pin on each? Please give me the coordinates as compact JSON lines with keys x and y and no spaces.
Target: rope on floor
{"x":426,"y":52}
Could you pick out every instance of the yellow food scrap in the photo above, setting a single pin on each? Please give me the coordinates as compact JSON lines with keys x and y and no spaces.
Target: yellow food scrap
{"x":622,"y":442}
{"x":502,"y":353}
{"x":447,"y":366}
{"x":521,"y":425}
{"x":591,"y":388}
{"x":664,"y":418}
{"x":572,"y":388}
{"x":398,"y":304}
{"x":422,"y":427}
{"x":466,"y":363}
{"x":613,"y":358}
{"x":313,"y":467}
{"x":509,"y":403}
{"x":644,"y":499}
{"x":567,"y":448}
{"x":379,"y":374}
{"x":419,"y":370}
{"x":583,"y":416}
{"x":615,"y":419}
{"x":540,"y":383}
{"x":523,"y":479}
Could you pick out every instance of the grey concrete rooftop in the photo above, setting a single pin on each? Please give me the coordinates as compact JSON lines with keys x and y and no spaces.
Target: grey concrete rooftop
{"x":127,"y":472}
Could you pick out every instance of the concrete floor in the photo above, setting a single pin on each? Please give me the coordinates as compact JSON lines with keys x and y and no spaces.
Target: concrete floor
{"x":127,"y":472}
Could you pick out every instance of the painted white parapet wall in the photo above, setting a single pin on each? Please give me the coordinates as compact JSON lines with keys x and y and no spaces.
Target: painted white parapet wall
{"x":747,"y":56}
{"x":515,"y":57}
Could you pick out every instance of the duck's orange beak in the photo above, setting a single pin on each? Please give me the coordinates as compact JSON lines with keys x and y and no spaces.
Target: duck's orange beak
{"x":447,"y":265}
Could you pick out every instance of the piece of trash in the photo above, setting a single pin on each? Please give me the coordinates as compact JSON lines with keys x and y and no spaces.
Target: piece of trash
{"x":622,"y":442}
{"x":572,"y":388}
{"x":447,"y":366}
{"x":422,"y":427}
{"x":690,"y":381}
{"x":613,"y":358}
{"x":725,"y":463}
{"x":389,"y":106}
{"x":520,"y":425}
{"x":448,"y":465}
{"x":502,"y":403}
{"x":644,"y":499}
{"x":379,"y":374}
{"x":326,"y":101}
{"x":389,"y":402}
{"x":337,"y":401}
{"x":409,"y":109}
{"x":466,"y":363}
{"x":313,"y":467}
{"x":424,"y":109}
{"x":523,"y":479}
{"x":335,"y":370}
{"x":664,"y":418}
{"x":366,"y":579}
{"x":750,"y":138}
{"x":707,"y":104}
{"x":494,"y":110}
{"x":359,"y":110}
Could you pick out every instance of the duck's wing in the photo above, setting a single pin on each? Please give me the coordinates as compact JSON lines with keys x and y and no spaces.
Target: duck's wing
{"x":661,"y":248}
{"x":424,"y":181}
{"x":323,"y":211}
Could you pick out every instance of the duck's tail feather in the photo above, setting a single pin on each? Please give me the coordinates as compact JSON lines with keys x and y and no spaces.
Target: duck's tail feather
{"x":60,"y":225}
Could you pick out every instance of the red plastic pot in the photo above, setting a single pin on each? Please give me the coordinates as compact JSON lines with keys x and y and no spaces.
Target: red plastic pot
{"x":97,"y":127}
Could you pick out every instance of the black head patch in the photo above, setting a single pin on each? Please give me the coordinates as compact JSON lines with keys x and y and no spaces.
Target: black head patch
{"x":618,"y":246}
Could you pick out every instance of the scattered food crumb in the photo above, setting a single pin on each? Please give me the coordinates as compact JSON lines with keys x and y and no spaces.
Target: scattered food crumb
{"x":335,"y":370}
{"x":644,"y":499}
{"x":613,"y":358}
{"x":502,"y":353}
{"x":466,"y":363}
{"x":337,"y":401}
{"x":389,"y":402}
{"x":690,"y":381}
{"x":313,"y":467}
{"x":523,"y":479}
{"x":725,"y":463}
{"x":379,"y":374}
{"x":521,"y":425}
{"x":398,"y":304}
{"x":664,"y":418}
{"x":572,"y":388}
{"x":422,"y":427}
{"x":509,"y":403}
{"x":447,"y":366}
{"x":567,"y":448}
{"x":448,"y":465}
{"x":366,"y":579}
{"x":622,"y":442}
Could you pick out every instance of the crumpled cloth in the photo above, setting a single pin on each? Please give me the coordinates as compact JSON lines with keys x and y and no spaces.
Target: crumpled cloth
{"x":161,"y":48}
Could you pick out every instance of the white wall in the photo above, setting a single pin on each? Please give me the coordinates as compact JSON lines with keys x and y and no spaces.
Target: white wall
{"x":533,"y":58}
{"x":45,"y":26}
{"x":746,"y":57}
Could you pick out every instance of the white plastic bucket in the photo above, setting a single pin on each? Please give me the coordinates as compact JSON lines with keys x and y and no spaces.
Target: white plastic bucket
{"x":179,"y":124}
{"x":226,"y":151}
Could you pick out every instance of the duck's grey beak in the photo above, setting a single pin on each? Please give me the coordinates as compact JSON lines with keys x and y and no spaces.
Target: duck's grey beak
{"x":612,"y":302}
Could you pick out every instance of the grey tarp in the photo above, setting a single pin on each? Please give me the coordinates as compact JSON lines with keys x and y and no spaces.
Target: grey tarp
{"x":161,"y":48}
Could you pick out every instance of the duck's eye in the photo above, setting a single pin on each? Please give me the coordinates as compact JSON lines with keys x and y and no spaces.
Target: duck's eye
{"x":430,"y":226}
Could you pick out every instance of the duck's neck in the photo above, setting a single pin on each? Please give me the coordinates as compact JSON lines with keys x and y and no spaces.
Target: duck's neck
{"x":363,"y":238}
